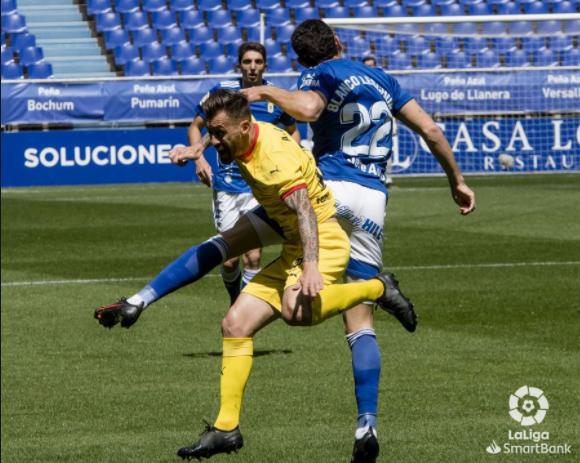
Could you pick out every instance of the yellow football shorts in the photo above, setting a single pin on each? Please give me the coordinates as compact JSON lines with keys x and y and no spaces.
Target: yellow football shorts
{"x":333,"y":256}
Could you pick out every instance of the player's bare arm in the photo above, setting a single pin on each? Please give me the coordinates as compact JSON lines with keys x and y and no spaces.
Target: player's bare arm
{"x":303,"y":106}
{"x":311,"y":279}
{"x":413,"y":116}
{"x":293,"y":130}
{"x":202,"y":167}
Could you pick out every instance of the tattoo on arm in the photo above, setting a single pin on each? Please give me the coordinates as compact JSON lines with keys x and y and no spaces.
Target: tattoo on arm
{"x":307,"y":223}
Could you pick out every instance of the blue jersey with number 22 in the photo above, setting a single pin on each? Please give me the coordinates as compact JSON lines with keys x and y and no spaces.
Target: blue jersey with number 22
{"x":353,"y":137}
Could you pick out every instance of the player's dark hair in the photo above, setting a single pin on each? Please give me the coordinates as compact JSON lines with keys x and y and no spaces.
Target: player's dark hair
{"x":313,"y":42}
{"x":251,"y":46}
{"x":368,"y":58}
{"x":233,"y":103}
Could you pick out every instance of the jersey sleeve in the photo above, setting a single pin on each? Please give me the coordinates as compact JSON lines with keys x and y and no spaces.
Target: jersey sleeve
{"x":198,"y":111}
{"x":400,"y":97}
{"x":318,"y":79}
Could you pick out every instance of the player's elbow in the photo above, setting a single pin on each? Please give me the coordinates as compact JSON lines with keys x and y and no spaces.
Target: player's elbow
{"x":310,"y":110}
{"x":431,"y":132}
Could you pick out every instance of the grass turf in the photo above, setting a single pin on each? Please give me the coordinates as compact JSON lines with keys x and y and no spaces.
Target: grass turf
{"x":74,"y":392}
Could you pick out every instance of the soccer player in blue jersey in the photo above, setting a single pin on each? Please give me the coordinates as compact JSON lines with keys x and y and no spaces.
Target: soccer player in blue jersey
{"x":351,"y":109}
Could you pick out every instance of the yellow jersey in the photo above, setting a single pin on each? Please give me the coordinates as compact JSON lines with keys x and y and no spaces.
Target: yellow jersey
{"x":275,"y":166}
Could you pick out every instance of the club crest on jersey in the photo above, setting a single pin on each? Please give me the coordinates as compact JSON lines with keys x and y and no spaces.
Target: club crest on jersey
{"x":270,"y":107}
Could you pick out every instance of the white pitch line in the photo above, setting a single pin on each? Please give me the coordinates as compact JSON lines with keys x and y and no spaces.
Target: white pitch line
{"x":213,"y":275}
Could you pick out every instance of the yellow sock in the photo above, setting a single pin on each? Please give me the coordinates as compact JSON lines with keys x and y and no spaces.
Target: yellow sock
{"x":337,"y":298}
{"x":236,"y":366}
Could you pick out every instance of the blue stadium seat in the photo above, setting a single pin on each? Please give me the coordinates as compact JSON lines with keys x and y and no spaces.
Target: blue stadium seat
{"x":295,"y":4}
{"x":98,"y":6}
{"x":413,"y":2}
{"x":442,"y":2}
{"x":436,"y":28}
{"x":446,"y":44}
{"x":474,"y":44}
{"x":355,"y":3}
{"x":152,"y":6}
{"x":8,"y":7}
{"x":209,"y":50}
{"x":306,"y":13}
{"x":409,"y":29}
{"x":209,"y":5}
{"x":165,"y":19}
{"x":507,"y":8}
{"x":386,"y":45}
{"x":336,"y":12}
{"x":279,"y":63}
{"x":248,"y":18}
{"x":40,"y":70}
{"x":536,"y":7}
{"x":268,"y":4}
{"x":493,"y":28}
{"x":560,"y":42}
{"x":182,"y":50}
{"x":253,"y":34}
{"x":326,"y":3}
{"x":520,"y":28}
{"x":221,"y":65}
{"x":573,"y":27}
{"x":417,"y":45}
{"x":239,"y":5}
{"x":115,"y":38}
{"x":13,"y":23}
{"x":533,"y":43}
{"x":172,"y":36}
{"x":30,"y":55}
{"x":23,"y":40}
{"x":192,"y":66}
{"x":366,"y":11}
{"x":272,"y":47}
{"x":200,"y":34}
{"x":503,"y":44}
{"x":2,"y":37}
{"x":107,"y":22}
{"x":394,"y":11}
{"x":190,"y":19}
{"x":458,"y":60}
{"x":571,"y":58}
{"x":137,"y":68}
{"x":125,"y":53}
{"x":564,"y":7}
{"x":153,"y":52}
{"x":544,"y":57}
{"x":549,"y":27}
{"x":487,"y":59}
{"x":143,"y":37}
{"x":451,"y":9}
{"x":275,"y":18}
{"x":12,"y":71}
{"x":516,"y":58}
{"x":164,"y":67}
{"x":219,"y":18}
{"x":479,"y":9}
{"x":428,"y":60}
{"x":231,"y":49}
{"x":465,"y":28}
{"x":7,"y":55}
{"x":228,"y":34}
{"x":399,"y":60}
{"x":181,"y":5}
{"x":284,"y":33}
{"x":127,"y":6}
{"x":424,"y":9}
{"x":136,"y":20}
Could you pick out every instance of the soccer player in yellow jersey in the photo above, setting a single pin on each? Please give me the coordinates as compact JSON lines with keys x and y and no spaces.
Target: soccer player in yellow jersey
{"x":300,"y":285}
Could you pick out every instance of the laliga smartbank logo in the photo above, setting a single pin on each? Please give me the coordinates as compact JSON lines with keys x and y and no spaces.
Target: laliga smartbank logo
{"x":528,"y":406}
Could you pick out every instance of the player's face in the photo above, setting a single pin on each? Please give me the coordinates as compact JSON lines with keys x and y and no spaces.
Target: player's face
{"x":252,"y":67}
{"x":228,"y":136}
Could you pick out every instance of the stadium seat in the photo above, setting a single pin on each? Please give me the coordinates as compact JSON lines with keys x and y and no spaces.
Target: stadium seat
{"x":573,"y":27}
{"x":12,"y":71}
{"x":165,"y":19}
{"x":549,"y":27}
{"x":394,"y":11}
{"x":560,"y":42}
{"x":533,"y":43}
{"x":182,"y":50}
{"x":192,"y":66}
{"x":13,"y":23}
{"x":520,"y":28}
{"x":423,"y":9}
{"x":136,"y":20}
{"x":479,"y":9}
{"x":417,"y":45}
{"x":386,"y":45}
{"x":336,"y":12}
{"x":545,"y":57}
{"x":98,"y":6}
{"x":125,"y":53}
{"x":181,"y":5}
{"x":493,"y":28}
{"x":209,"y":5}
{"x":152,"y":6}
{"x":221,"y":65}
{"x":231,"y":49}
{"x":107,"y":22}
{"x":503,"y":44}
{"x":399,"y":60}
{"x":428,"y":60}
{"x":326,"y":3}
{"x":295,"y":4}
{"x":190,"y":19}
{"x":239,"y":5}
{"x":164,"y":67}
{"x":451,"y":9}
{"x":442,"y":2}
{"x":137,"y":68}
{"x":275,"y":18}
{"x":272,"y":47}
{"x":465,"y":28}
{"x":268,"y":5}
{"x":474,"y":44}
{"x":209,"y":50}
{"x":537,"y":7}
{"x":355,"y":3}
{"x":284,"y":33}
{"x":563,"y":7}
{"x":7,"y":55}
{"x":127,"y":6}
{"x":143,"y":37}
{"x":366,"y":11}
{"x":253,"y":34}
{"x":436,"y":28}
{"x":306,"y":13}
{"x":487,"y":59}
{"x":357,"y":43}
{"x":279,"y":63}
{"x":23,"y":40}
{"x":248,"y":18}
{"x":219,"y":18}
{"x":571,"y":58}
{"x":507,"y":8}
{"x":115,"y":38}
{"x":172,"y":36}
{"x":413,"y":2}
{"x":200,"y":34}
{"x":409,"y":29}
{"x":8,"y":7}
{"x":228,"y":34}
{"x":40,"y":70}
{"x":2,"y":37}
{"x":458,"y":60}
{"x":153,"y":52}
{"x":30,"y":55}
{"x":516,"y":58}
{"x":446,"y":44}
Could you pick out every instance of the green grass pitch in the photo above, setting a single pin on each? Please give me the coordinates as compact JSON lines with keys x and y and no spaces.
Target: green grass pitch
{"x":498,"y":295}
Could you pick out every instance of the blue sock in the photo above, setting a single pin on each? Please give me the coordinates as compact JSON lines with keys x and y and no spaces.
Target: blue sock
{"x":193,"y":264}
{"x":366,"y":368}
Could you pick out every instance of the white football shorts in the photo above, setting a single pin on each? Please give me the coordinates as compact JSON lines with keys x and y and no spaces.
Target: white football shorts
{"x":229,"y":207}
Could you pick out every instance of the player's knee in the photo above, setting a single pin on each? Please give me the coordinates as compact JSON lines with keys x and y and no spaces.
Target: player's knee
{"x":252,"y":259}
{"x":232,"y":326}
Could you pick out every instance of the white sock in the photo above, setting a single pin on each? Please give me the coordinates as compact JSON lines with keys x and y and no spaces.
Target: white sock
{"x":248,"y":275}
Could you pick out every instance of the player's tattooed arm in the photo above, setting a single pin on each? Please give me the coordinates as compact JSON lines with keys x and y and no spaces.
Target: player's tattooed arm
{"x":307,"y":223}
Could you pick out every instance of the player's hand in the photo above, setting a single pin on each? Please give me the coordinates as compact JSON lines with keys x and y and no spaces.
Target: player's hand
{"x":311,"y":280}
{"x":253,"y":93}
{"x":181,"y":154}
{"x":203,"y":171}
{"x":464,"y":197}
